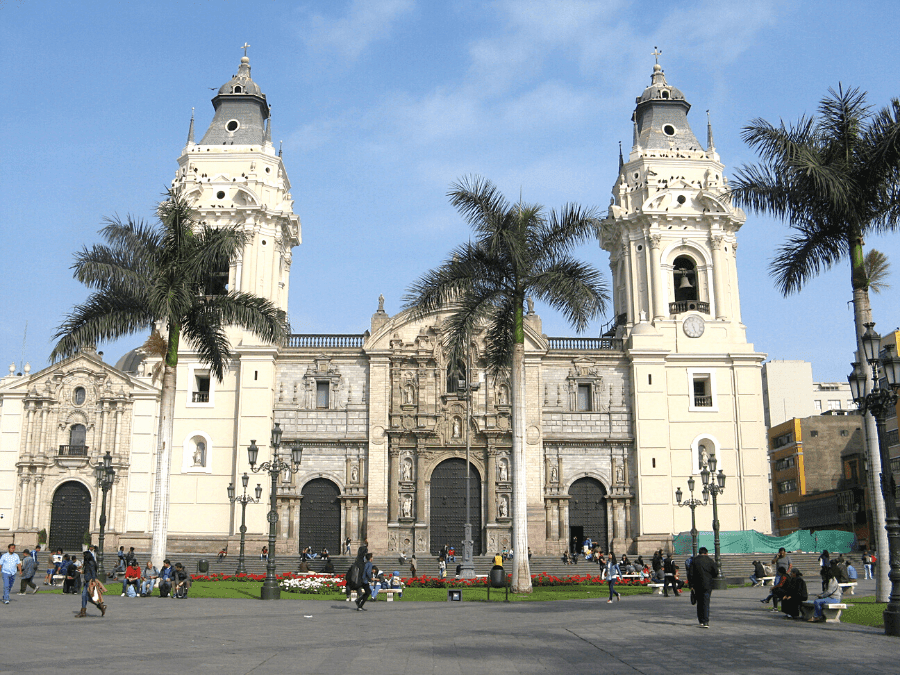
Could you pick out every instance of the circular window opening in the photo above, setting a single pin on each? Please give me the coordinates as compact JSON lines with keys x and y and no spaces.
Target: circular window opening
{"x":268,"y":169}
{"x":220,"y":194}
{"x":263,"y":242}
{"x":232,"y":126}
{"x":669,"y":130}
{"x":80,"y":395}
{"x":640,"y":247}
{"x":682,"y":199}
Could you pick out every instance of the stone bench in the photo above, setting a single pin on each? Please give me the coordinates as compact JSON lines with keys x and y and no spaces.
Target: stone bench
{"x":831,"y":612}
{"x":766,"y":581}
{"x":848,"y":588}
{"x":658,"y":587}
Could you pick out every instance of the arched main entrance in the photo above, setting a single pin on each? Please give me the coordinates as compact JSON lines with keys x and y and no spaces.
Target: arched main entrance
{"x":587,"y":512}
{"x":448,"y":506}
{"x":320,"y":516}
{"x":70,"y":516}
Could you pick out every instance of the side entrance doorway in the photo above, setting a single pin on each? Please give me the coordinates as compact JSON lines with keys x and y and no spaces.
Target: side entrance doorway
{"x":587,"y":512}
{"x":70,"y":516}
{"x":320,"y":516}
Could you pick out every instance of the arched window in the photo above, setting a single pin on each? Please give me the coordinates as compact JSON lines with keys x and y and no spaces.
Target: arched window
{"x":685,"y":278}
{"x":456,"y":377}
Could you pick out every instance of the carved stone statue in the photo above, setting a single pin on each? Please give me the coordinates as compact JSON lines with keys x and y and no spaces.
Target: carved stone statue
{"x":503,"y":507}
{"x":704,"y":457}
{"x":554,"y":475}
{"x":354,"y":474}
{"x":381,"y":303}
{"x":457,"y":431}
{"x":620,"y":475}
{"x":406,"y":469}
{"x":530,"y":302}
{"x":406,"y":506}
{"x":199,"y":454}
{"x":503,"y":398}
{"x":504,"y":470}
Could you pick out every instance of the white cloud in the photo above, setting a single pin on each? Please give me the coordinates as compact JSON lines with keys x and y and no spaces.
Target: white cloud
{"x":365,"y":22}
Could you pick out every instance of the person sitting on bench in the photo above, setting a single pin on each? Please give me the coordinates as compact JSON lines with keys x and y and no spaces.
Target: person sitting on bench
{"x":132,"y":578}
{"x":181,"y":581}
{"x":830,"y":596}
{"x":795,"y":593}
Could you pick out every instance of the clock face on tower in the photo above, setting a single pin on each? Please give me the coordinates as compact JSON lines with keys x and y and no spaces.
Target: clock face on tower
{"x":693,"y":326}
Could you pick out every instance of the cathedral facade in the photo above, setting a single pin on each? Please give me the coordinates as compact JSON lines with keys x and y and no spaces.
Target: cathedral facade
{"x":385,"y":422}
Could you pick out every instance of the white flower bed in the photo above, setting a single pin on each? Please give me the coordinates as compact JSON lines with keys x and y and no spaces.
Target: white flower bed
{"x":311,"y":585}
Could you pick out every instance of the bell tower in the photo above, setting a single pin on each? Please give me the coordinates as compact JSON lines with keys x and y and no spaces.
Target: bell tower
{"x":671,"y":233}
{"x":234,"y":176}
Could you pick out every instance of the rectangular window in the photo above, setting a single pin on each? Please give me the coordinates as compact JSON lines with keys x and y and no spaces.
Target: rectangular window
{"x":895,"y":465}
{"x":854,"y":473}
{"x":892,"y":437}
{"x":891,"y":412}
{"x":322,"y":394}
{"x":785,"y":463}
{"x":834,"y":404}
{"x":584,"y":398}
{"x":787,"y":486}
{"x":814,"y":433}
{"x":702,"y":390}
{"x":787,"y":510}
{"x":784,"y":439}
{"x":201,"y":387}
{"x":845,"y":432}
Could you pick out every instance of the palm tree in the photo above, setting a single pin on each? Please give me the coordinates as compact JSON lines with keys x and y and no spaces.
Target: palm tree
{"x":878,"y":269}
{"x":518,"y":251}
{"x":834,"y":179}
{"x":168,"y":275}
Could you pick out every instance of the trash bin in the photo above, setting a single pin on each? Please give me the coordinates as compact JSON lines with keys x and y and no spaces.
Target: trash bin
{"x":203,"y":566}
{"x":498,"y":577}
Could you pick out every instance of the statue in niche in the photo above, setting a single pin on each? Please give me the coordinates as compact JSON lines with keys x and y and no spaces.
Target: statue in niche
{"x":409,"y":396}
{"x":554,"y":474}
{"x":704,"y":457}
{"x":457,"y":430}
{"x":354,"y":474}
{"x":406,"y":470}
{"x":406,"y":506}
{"x":200,"y":454}
{"x":503,"y":507}
{"x":620,"y":475}
{"x":504,"y":396}
{"x":504,"y":470}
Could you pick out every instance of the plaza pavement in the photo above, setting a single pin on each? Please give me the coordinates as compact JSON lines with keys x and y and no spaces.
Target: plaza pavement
{"x":640,"y":634}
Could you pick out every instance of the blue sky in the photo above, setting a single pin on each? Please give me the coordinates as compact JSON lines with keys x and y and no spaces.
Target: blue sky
{"x":381,"y":105}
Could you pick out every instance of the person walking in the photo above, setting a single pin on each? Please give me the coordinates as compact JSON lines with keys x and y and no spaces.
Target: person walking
{"x":613,"y":574}
{"x":413,"y":566}
{"x":92,"y":589}
{"x":703,"y":575}
{"x":669,"y":567}
{"x":10,"y":565}
{"x":867,"y":565}
{"x":29,"y":567}
{"x":366,"y":587}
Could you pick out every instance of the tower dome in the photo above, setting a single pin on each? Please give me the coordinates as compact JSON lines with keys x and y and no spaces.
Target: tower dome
{"x":241,"y":111}
{"x":661,"y":118}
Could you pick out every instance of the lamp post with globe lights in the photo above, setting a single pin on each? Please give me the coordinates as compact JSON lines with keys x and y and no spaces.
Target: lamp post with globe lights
{"x":879,"y":401}
{"x":715,"y":488}
{"x":692,"y":503}
{"x":274,"y":467}
{"x":244,"y":499}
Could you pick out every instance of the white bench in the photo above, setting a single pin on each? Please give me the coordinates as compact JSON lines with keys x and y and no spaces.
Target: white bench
{"x":658,"y":587}
{"x":766,"y":581}
{"x":832,"y":612}
{"x":848,"y":587}
{"x":390,"y":593}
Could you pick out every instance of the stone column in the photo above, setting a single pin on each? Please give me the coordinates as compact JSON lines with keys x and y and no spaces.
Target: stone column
{"x":118,"y":433}
{"x":29,"y":424}
{"x":657,"y":298}
{"x":718,"y":276}
{"x":628,"y":271}
{"x":38,"y":481}
{"x":548,"y":508}
{"x":490,"y":483}
{"x":564,"y":521}
{"x":348,"y":524}
{"x":23,"y":500}
{"x":393,"y":482}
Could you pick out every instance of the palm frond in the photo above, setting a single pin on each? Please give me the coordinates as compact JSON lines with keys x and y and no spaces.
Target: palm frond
{"x":101,"y":318}
{"x":574,"y":288}
{"x":804,"y":256}
{"x":878,"y":269}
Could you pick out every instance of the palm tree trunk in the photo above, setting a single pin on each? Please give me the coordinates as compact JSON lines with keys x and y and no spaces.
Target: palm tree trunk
{"x":862,"y":314}
{"x":521,"y":575}
{"x":160,"y":524}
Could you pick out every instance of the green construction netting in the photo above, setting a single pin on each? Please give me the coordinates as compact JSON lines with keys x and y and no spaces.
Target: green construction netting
{"x":751,"y":541}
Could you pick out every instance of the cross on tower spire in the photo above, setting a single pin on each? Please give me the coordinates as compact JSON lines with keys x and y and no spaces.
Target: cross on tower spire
{"x":656,"y":53}
{"x":245,"y":45}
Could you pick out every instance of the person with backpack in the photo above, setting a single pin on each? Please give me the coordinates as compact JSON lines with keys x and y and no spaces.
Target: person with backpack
{"x":165,"y":578}
{"x":353,"y":580}
{"x":669,"y":569}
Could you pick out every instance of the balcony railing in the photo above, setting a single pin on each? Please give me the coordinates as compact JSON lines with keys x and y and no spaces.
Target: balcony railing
{"x":326,"y":341}
{"x":703,"y":401}
{"x":585,"y":344}
{"x":682,"y":306}
{"x":200,"y":397}
{"x":73,"y":451}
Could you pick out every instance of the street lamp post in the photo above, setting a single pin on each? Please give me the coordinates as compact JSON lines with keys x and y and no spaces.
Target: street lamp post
{"x":715,"y":488}
{"x":692,"y":503}
{"x":467,"y":569}
{"x":105,"y":474}
{"x":879,"y":401}
{"x":274,"y":467}
{"x":244,"y":499}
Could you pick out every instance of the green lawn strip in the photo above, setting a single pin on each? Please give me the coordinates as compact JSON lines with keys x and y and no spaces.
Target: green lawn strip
{"x":864,"y":611}
{"x":243,"y":589}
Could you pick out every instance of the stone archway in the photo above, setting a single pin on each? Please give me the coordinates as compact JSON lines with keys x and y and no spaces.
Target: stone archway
{"x":70,"y":516}
{"x":320,"y":516}
{"x":587,"y":511}
{"x":448,"y":506}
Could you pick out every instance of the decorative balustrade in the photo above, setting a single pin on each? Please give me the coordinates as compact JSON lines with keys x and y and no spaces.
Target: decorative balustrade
{"x":703,"y":401}
{"x":321,"y":341}
{"x":73,"y":451}
{"x":585,"y":343}
{"x":200,"y":397}
{"x":682,"y":306}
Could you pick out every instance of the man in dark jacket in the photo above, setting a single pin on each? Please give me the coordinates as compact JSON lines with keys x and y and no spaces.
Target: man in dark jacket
{"x":758,"y":573}
{"x":703,"y":574}
{"x":89,"y":574}
{"x":669,"y":569}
